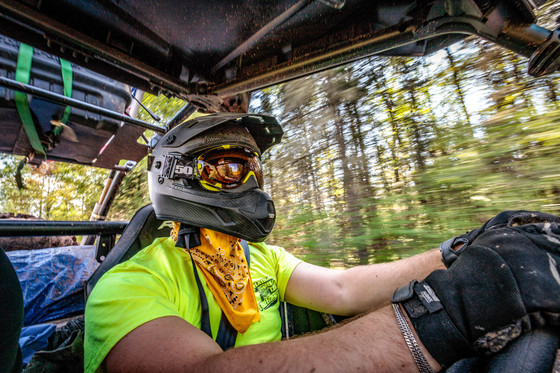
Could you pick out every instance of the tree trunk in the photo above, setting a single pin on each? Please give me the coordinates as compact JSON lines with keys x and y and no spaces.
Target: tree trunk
{"x":395,"y":141}
{"x":309,"y":160}
{"x":455,"y":78}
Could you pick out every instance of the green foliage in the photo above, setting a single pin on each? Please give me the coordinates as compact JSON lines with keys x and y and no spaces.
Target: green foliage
{"x":408,"y":162}
{"x":54,"y":191}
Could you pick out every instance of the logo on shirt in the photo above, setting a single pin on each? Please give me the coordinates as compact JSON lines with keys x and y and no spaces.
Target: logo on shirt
{"x":267,"y":291}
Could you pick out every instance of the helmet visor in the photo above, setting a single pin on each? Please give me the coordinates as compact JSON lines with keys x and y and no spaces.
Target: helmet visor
{"x":228,"y":167}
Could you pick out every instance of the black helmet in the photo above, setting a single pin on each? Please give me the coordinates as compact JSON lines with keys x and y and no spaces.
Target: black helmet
{"x":182,"y":189}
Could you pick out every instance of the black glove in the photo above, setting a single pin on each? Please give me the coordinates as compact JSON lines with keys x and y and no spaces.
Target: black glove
{"x":451,"y":248}
{"x":505,"y":282}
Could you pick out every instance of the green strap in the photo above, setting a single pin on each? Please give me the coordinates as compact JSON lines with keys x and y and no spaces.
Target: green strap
{"x":23,"y":73}
{"x":66,"y":69}
{"x":19,"y":181}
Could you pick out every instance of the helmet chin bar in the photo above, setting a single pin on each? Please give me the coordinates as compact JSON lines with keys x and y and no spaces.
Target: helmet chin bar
{"x":249,"y":215}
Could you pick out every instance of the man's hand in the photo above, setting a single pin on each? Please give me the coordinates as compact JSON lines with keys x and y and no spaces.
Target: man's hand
{"x":505,"y":281}
{"x":451,"y":248}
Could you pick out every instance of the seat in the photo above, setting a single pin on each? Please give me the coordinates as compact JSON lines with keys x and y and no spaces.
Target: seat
{"x":141,"y":231}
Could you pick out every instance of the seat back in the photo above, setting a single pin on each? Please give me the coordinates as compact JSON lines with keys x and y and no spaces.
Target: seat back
{"x":141,"y":231}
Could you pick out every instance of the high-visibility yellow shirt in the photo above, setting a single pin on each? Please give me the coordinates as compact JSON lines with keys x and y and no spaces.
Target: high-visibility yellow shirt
{"x":159,"y":281}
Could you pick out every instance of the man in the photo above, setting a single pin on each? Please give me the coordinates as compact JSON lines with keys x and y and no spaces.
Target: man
{"x":163,"y":309}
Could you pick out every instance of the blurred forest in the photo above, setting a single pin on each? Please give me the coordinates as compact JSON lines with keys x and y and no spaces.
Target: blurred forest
{"x":380,"y":159}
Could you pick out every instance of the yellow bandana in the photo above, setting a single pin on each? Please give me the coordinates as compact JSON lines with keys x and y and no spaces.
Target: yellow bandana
{"x":222,"y":262}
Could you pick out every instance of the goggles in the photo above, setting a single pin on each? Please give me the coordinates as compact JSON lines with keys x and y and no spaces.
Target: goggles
{"x":225,"y":167}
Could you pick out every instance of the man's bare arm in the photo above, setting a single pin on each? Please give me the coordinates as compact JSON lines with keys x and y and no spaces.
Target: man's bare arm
{"x":359,"y":289}
{"x":371,"y":343}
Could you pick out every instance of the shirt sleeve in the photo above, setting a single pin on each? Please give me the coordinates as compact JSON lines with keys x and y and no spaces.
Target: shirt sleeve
{"x":285,"y":265}
{"x":122,"y":300}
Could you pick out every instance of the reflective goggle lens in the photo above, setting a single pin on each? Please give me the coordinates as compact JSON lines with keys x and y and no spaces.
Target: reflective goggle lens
{"x":228,"y":168}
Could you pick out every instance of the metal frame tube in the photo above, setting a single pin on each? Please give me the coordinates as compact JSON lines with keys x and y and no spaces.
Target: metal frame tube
{"x":15,"y":228}
{"x":55,"y":97}
{"x":269,"y":27}
{"x":180,"y":116}
{"x":110,"y":196}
